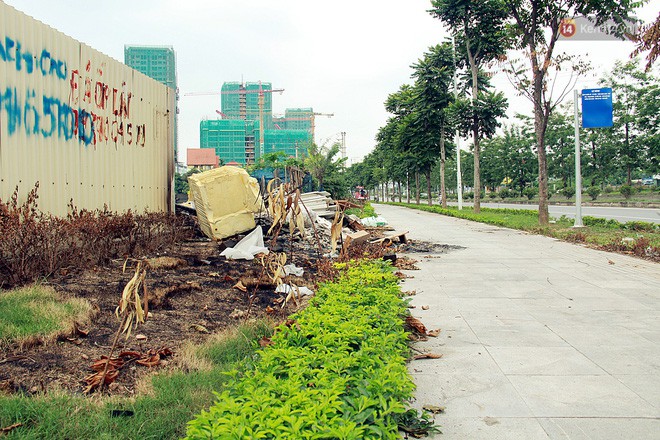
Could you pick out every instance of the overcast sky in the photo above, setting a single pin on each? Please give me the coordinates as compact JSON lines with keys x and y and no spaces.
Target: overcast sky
{"x":342,"y":57}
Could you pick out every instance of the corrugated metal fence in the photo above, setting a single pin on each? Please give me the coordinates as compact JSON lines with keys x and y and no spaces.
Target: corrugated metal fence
{"x":83,"y":125}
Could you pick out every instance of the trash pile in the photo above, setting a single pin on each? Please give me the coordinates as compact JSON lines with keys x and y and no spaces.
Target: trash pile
{"x":251,"y":221}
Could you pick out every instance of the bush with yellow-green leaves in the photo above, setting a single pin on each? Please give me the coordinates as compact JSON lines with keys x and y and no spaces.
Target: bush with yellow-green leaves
{"x":336,"y":370}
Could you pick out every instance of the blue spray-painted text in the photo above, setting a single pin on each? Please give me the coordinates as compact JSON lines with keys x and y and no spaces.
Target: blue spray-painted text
{"x":53,"y":118}
{"x":11,"y":51}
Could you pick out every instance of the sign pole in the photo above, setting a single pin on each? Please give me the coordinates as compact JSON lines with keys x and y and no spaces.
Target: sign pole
{"x":578,"y":171}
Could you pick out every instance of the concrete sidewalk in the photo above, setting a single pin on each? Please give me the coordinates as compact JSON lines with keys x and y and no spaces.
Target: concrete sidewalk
{"x":540,"y":339}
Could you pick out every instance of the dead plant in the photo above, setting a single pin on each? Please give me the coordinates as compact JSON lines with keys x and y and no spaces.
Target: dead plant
{"x":131,"y":311}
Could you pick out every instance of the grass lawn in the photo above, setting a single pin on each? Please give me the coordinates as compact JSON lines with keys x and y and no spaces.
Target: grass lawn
{"x":36,"y":312}
{"x":638,"y":238}
{"x":169,"y":399}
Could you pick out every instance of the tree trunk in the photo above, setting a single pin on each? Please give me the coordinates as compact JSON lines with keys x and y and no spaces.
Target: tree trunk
{"x":628,"y":167}
{"x":595,"y":167}
{"x":417,"y":187}
{"x":443,"y":190}
{"x":540,"y":125}
{"x":408,"y":188}
{"x":477,"y":172}
{"x":428,"y":186}
{"x":399,"y":185}
{"x":474,"y":70}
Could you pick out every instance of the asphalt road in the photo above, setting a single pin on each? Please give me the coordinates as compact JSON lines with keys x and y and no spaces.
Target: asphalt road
{"x":617,"y":213}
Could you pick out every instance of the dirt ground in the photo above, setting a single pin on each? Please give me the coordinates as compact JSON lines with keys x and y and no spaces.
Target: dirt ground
{"x":192,"y":297}
{"x":187,"y":302}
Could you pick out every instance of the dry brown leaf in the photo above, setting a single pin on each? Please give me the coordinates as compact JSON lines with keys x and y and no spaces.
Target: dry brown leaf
{"x":425,"y":307}
{"x":416,"y":325}
{"x":265,"y":342}
{"x":427,"y":356}
{"x":433,"y":333}
{"x":200,"y":328}
{"x":130,"y":354}
{"x":94,"y":380}
{"x":228,"y":279}
{"x":434,"y":409}
{"x":113,"y":364}
{"x":78,"y":331}
{"x":270,"y":310}
{"x":150,"y":361}
{"x":240,"y":286}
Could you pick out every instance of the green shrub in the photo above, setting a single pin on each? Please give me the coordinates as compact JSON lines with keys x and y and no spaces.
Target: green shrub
{"x":504,"y":193}
{"x":640,"y":226}
{"x":366,"y":211}
{"x":469,"y":195}
{"x":626,"y":191}
{"x":530,"y":192}
{"x":608,"y":189}
{"x":568,"y":191}
{"x":492,"y":194}
{"x":337,"y":370}
{"x":593,"y":192}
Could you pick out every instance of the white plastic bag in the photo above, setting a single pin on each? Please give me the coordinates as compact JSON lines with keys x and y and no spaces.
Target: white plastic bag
{"x":251,"y":245}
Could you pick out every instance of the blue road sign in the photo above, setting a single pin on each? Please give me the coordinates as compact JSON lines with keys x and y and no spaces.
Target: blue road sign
{"x":597,"y":108}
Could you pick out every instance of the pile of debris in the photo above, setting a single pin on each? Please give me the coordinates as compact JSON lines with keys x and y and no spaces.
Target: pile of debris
{"x":229,"y":203}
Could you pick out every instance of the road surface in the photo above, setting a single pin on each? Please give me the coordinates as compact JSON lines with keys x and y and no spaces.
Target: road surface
{"x":540,"y":339}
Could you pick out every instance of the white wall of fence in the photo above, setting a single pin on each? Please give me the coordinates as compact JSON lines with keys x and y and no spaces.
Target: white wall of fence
{"x":85,"y":126}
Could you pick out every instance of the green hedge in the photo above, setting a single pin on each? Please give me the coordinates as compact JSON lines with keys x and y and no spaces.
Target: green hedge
{"x":338,"y":372}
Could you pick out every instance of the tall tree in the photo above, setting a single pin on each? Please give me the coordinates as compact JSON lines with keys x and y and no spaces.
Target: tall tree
{"x":536,"y":30}
{"x":433,"y":74}
{"x":479,"y":29}
{"x":635,"y":131}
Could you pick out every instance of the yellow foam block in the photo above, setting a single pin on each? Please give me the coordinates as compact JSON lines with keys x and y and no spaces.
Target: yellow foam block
{"x":226,"y":199}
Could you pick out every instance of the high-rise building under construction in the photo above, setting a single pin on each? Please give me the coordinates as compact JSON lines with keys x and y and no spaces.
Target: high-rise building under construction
{"x":157,"y":62}
{"x":247,"y":128}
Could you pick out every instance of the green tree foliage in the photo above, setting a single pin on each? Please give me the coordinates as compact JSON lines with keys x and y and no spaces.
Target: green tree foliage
{"x":635,"y":137}
{"x":479,"y":29}
{"x":434,"y":74}
{"x":593,"y":192}
{"x":508,"y":158}
{"x":535,"y":29}
{"x":326,"y":170}
{"x":181,"y":181}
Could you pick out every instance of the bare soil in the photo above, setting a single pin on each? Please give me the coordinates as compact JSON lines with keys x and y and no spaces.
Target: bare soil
{"x":187,"y":303}
{"x":189,"y":299}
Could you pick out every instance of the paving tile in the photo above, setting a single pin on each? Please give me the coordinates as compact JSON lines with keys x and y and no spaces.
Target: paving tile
{"x":647,"y":386}
{"x":602,"y":428}
{"x":489,"y":428}
{"x":548,"y":361}
{"x":548,"y":339}
{"x":470,"y":395}
{"x":580,"y":396}
{"x":515,"y":333}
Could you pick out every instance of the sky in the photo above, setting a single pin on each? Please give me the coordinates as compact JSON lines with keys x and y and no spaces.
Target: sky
{"x":341,"y":57}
